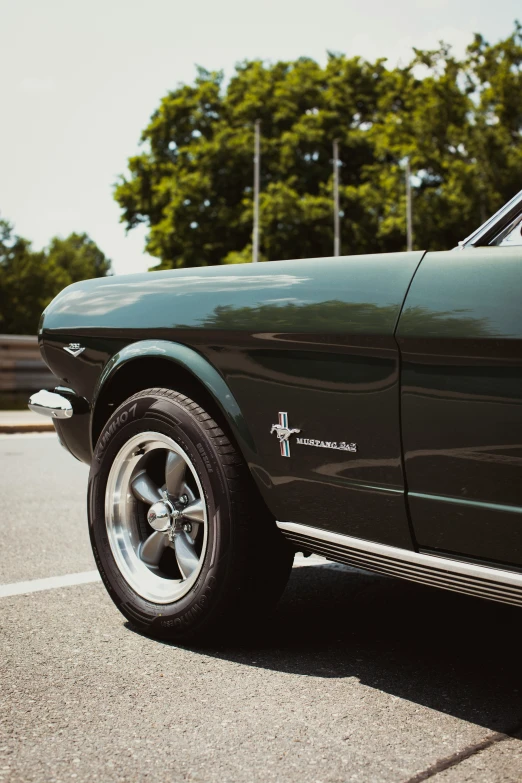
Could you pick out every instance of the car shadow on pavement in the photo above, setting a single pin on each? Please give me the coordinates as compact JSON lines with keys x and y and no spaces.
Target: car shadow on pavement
{"x":452,"y":653}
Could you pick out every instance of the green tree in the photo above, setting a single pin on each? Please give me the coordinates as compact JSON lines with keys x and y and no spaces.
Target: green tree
{"x":79,"y":256}
{"x":459,"y":122}
{"x":30,"y":279}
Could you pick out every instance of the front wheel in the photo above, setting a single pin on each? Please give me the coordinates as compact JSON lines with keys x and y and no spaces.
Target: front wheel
{"x":184,"y":546}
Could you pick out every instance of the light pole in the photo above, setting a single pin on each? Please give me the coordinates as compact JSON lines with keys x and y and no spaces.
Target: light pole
{"x":337,"y":228}
{"x":257,"y":161}
{"x":409,"y":213}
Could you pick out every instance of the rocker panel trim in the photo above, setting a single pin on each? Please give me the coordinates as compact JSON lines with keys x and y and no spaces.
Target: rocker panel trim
{"x":469,"y":578}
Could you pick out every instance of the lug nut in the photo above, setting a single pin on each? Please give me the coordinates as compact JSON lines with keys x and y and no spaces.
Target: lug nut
{"x":187,"y":527}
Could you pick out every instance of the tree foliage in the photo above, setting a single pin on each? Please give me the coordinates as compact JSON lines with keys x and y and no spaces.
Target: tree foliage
{"x":30,"y":279}
{"x":334,"y":315}
{"x":459,"y":121}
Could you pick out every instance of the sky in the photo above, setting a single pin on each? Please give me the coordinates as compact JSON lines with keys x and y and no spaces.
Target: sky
{"x":80,"y":80}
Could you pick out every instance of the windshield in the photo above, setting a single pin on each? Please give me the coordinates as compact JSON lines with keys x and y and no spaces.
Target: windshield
{"x":503,"y":228}
{"x":511,"y":235}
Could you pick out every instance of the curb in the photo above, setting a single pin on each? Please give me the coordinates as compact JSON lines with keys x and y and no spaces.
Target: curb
{"x":10,"y":428}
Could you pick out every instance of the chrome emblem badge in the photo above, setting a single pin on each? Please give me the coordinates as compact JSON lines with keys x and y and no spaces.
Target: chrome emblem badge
{"x":75,"y":349}
{"x":283,"y":433}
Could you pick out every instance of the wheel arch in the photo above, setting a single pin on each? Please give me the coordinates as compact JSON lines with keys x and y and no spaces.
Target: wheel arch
{"x":161,"y":363}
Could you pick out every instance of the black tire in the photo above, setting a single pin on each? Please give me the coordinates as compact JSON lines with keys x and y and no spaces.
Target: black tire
{"x":247,"y":561}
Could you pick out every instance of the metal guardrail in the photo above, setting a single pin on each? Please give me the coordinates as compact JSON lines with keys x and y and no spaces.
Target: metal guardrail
{"x":21,"y":366}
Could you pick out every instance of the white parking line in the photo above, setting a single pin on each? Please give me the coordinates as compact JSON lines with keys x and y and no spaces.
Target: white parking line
{"x":35,"y":585}
{"x":301,"y":560}
{"x":85,"y":577}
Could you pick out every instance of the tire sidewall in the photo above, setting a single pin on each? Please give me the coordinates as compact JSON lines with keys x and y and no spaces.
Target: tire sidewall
{"x":159,"y":413}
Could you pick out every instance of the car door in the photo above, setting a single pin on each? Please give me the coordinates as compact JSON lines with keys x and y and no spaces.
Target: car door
{"x":460,"y":338}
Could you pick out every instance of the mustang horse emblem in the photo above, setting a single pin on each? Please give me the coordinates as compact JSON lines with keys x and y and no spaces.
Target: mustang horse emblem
{"x":283,"y":433}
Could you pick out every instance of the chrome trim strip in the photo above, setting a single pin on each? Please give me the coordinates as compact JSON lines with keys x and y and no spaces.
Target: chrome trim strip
{"x":48,"y":403}
{"x":486,"y":582}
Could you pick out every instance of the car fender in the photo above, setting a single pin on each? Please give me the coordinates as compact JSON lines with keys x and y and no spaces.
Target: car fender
{"x":191,"y":361}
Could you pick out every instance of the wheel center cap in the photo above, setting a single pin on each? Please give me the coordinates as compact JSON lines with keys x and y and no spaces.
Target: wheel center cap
{"x":158,"y":517}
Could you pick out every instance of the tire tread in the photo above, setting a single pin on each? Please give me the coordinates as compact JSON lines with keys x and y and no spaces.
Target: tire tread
{"x":243,"y":592}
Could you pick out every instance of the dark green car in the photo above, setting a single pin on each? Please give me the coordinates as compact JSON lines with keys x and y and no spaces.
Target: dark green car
{"x":365,"y":408}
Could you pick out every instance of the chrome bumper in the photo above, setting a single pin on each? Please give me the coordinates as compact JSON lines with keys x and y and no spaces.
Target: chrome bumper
{"x":50,"y":404}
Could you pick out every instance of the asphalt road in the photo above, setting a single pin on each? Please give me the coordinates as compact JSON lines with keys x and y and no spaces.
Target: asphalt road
{"x":356,"y":678}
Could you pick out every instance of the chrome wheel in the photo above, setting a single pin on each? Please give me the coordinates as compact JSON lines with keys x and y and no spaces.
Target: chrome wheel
{"x":156,"y":517}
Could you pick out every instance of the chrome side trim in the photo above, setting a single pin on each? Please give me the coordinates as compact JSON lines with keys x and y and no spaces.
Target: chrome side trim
{"x":469,"y":578}
{"x":50,"y":404}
